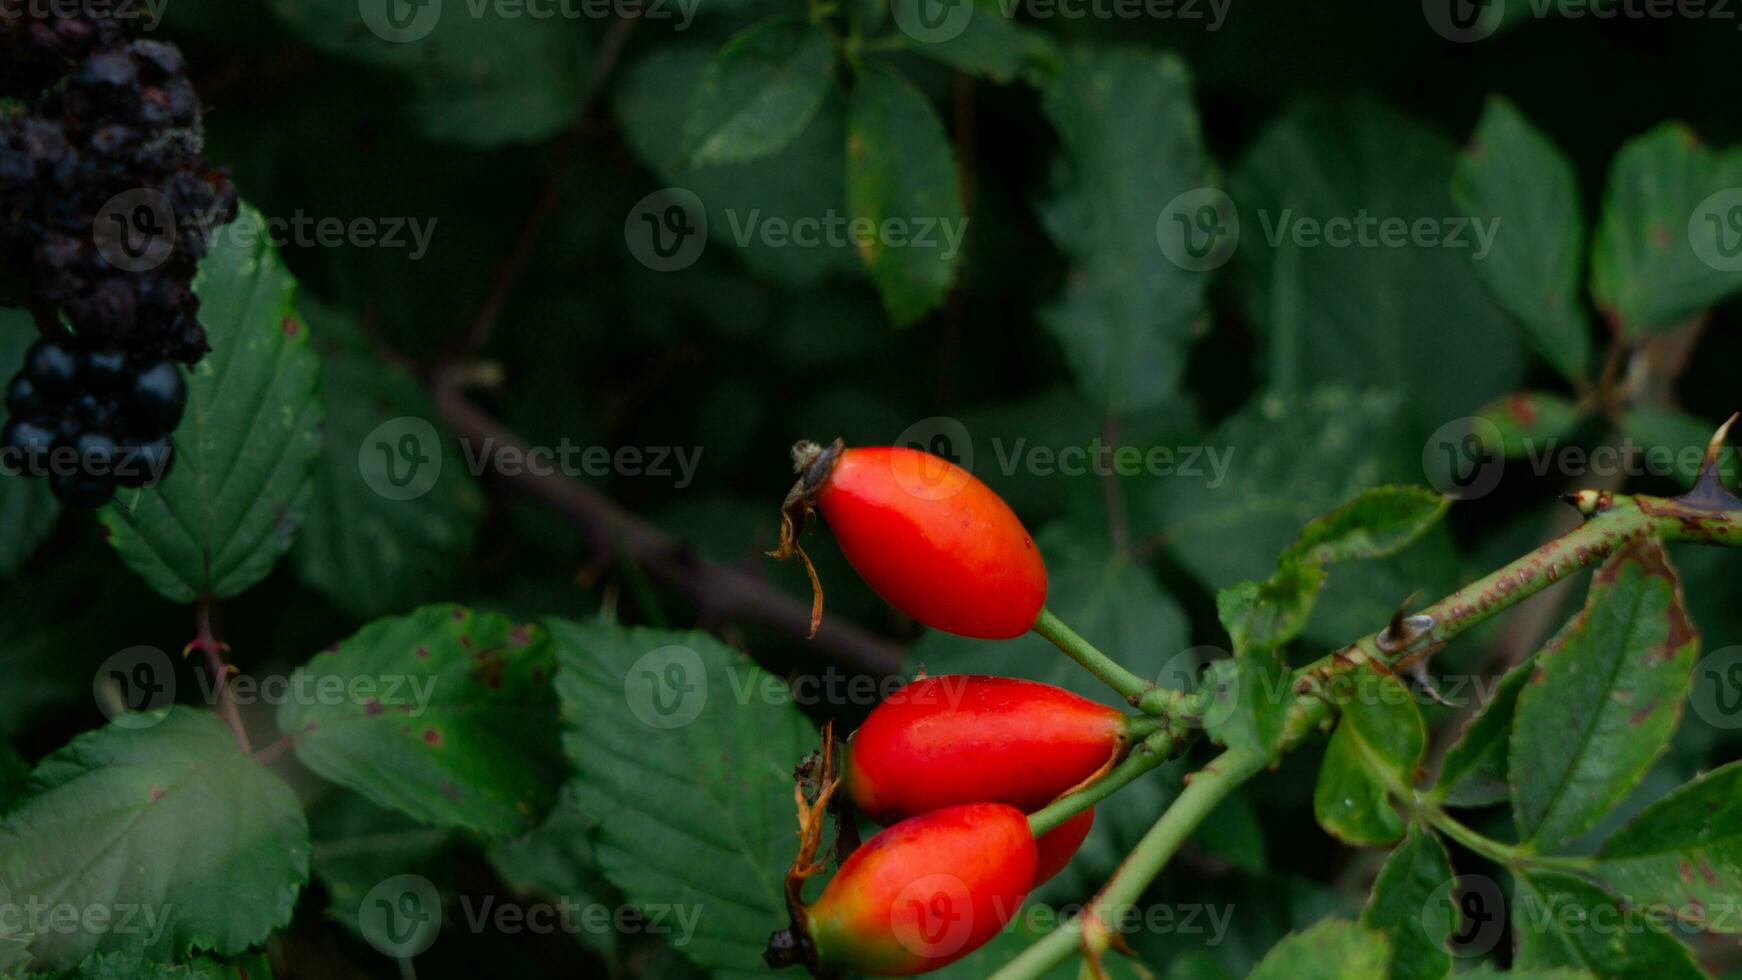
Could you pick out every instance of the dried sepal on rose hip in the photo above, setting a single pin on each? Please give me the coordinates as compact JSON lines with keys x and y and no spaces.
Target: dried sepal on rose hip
{"x":925,"y":534}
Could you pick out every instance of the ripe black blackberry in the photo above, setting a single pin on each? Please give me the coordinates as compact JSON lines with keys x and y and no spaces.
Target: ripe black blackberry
{"x":107,"y":204}
{"x":91,"y":419}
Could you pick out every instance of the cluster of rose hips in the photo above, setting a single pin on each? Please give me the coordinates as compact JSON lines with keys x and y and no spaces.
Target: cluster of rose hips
{"x":951,"y":765}
{"x":106,"y":205}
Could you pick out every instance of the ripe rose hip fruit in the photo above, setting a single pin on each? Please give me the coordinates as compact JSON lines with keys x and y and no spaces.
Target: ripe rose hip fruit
{"x":1055,"y":848}
{"x":958,"y":738}
{"x":918,"y":896}
{"x":925,"y":534}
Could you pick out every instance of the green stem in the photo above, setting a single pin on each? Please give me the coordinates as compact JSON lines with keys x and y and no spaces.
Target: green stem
{"x":1154,"y":750}
{"x":1507,"y":855}
{"x":1207,"y":788}
{"x":1613,"y":520}
{"x":1130,"y":687}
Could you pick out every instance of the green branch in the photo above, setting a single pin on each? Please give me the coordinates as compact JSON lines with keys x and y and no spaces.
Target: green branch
{"x":1612,"y":521}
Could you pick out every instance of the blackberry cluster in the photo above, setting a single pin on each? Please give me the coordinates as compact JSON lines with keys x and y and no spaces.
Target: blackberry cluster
{"x":107,"y":204}
{"x":91,"y":419}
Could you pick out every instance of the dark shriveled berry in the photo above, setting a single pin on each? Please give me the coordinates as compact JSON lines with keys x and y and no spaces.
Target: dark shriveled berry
{"x":22,"y":398}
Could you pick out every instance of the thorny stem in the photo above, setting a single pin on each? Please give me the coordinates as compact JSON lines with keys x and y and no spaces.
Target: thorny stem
{"x":1703,"y":516}
{"x":206,"y":641}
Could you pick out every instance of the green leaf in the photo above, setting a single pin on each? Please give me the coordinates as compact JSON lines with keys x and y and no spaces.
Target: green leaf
{"x":1527,"y":424}
{"x":1250,"y":701}
{"x":805,"y":180}
{"x":683,"y":753}
{"x":1684,"y":852}
{"x":1334,"y":949}
{"x":1378,"y":522}
{"x":479,"y":80}
{"x":1474,"y":772}
{"x":1604,"y":699}
{"x":1514,"y":175}
{"x":557,"y":861}
{"x":27,"y":509}
{"x":1372,"y":757}
{"x":989,"y":44}
{"x":1268,"y":615}
{"x":1413,"y":317}
{"x":244,"y":468}
{"x":1563,"y":921}
{"x":1402,"y":906}
{"x":1294,"y":457}
{"x":358,"y":845}
{"x":901,"y":173}
{"x":1129,"y":146}
{"x":125,"y":966}
{"x":13,"y":773}
{"x":444,"y":714}
{"x":373,"y":543}
{"x":759,"y":92}
{"x":171,"y":819}
{"x":1488,"y":971}
{"x":1660,"y":252}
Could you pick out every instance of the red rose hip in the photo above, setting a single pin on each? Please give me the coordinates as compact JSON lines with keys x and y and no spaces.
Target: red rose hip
{"x":925,"y":534}
{"x":958,"y":738}
{"x":921,"y":894}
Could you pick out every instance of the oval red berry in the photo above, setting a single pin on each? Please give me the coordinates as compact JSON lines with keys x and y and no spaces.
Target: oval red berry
{"x":925,"y":892}
{"x":934,"y":541}
{"x":960,"y":738}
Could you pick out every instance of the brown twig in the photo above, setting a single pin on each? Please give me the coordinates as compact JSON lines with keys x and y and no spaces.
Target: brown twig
{"x":718,"y":590}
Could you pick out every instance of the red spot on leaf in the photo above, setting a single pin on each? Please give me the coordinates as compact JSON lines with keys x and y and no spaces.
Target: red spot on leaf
{"x":432,"y":737}
{"x":291,"y":327}
{"x":156,"y":794}
{"x":520,"y":636}
{"x":371,"y":707}
{"x":1521,"y":409}
{"x":423,"y":653}
{"x":1686,"y":870}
